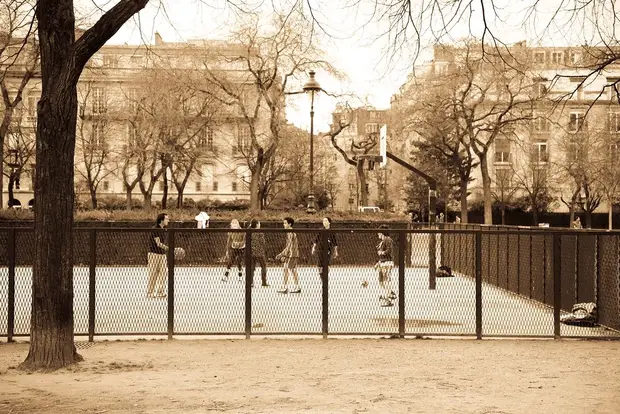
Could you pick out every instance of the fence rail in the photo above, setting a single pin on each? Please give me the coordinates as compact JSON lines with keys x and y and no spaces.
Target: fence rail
{"x":506,"y":282}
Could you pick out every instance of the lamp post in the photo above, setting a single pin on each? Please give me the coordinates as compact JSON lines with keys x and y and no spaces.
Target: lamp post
{"x":311,"y":87}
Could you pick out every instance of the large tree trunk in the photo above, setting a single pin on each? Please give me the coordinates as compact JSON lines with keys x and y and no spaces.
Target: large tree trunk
{"x":535,"y":214}
{"x":62,"y":61}
{"x":463,"y":190}
{"x":11,"y":185}
{"x":51,"y":324}
{"x":486,"y":189}
{"x":4,"y":128}
{"x":588,"y":219}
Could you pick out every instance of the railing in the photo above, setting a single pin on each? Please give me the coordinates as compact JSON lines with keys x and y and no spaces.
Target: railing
{"x":507,"y":282}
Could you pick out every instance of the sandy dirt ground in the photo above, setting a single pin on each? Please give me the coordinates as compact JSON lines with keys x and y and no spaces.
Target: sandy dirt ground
{"x":326,"y":376}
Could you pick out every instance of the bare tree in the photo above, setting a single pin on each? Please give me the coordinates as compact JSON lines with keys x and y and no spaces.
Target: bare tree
{"x":62,"y":60}
{"x":269,"y":61}
{"x":19,"y":55}
{"x":19,"y":152}
{"x":93,"y":133}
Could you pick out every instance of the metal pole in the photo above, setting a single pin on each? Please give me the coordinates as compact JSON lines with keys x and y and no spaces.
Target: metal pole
{"x":170,"y":283}
{"x":478,"y":284}
{"x":325,"y":279}
{"x":91,"y":285}
{"x":557,"y":287}
{"x":11,"y":305}
{"x":249,"y":276}
{"x":402,"y":246}
{"x":311,"y":207}
{"x":432,"y":238}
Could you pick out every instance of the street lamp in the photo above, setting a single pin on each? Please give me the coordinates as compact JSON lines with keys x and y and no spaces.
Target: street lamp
{"x":311,"y":87}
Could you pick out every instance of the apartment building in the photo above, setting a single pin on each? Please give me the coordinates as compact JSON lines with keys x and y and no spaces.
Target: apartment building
{"x":153,"y":119}
{"x":562,"y":138}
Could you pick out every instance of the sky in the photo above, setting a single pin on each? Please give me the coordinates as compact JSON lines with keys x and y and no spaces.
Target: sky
{"x":350,"y":33}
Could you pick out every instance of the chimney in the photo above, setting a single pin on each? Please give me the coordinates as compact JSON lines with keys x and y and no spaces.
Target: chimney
{"x":158,"y":40}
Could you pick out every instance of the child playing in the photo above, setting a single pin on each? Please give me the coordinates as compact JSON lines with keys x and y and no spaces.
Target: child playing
{"x":290,"y":256}
{"x":384,"y":266}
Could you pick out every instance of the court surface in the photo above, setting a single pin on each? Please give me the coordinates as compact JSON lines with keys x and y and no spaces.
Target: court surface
{"x":203,"y":304}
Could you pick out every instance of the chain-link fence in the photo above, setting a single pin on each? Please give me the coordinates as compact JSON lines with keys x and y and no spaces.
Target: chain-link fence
{"x":460,"y":280}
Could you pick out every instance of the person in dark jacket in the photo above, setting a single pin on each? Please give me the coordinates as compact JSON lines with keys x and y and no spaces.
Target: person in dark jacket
{"x":156,"y":259}
{"x":332,"y":246}
{"x":258,"y":252}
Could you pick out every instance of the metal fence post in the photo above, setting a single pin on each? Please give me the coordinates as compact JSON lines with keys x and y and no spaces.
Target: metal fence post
{"x":170,"y":256}
{"x":402,"y":244}
{"x":432,"y":259}
{"x":557,"y":287}
{"x":249,"y":277}
{"x":325,"y":281}
{"x":11,"y":305}
{"x":478,"y":284}
{"x":91,"y":284}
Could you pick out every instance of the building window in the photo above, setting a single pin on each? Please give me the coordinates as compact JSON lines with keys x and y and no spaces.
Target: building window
{"x":575,"y":58}
{"x":98,"y":100}
{"x":106,"y":185}
{"x":132,"y":136}
{"x":576,"y":122}
{"x":502,"y":151}
{"x":614,"y":122}
{"x":132,"y":97}
{"x":215,"y":186}
{"x":161,"y":186}
{"x":539,"y":57}
{"x":372,"y":128}
{"x":243,"y":138}
{"x":557,"y":57}
{"x":541,"y":152}
{"x":234,"y":186}
{"x":206,"y":138}
{"x":32,"y":106}
{"x":110,"y":61}
{"x":98,"y":138}
{"x":351,"y":187}
{"x":198,"y":186}
{"x":614,"y":151}
{"x":540,"y":124}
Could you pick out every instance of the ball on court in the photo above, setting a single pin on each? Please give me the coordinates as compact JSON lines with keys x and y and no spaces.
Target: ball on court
{"x":365,"y":283}
{"x":179,"y":253}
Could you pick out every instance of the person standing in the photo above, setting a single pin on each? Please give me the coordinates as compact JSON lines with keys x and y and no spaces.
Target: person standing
{"x":332,"y":246}
{"x":235,"y":247}
{"x":385,"y":250}
{"x":290,"y":256}
{"x":577,"y":223}
{"x":258,"y":253}
{"x":156,"y":258}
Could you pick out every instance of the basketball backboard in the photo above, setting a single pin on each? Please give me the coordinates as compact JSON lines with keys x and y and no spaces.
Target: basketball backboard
{"x":383,"y":146}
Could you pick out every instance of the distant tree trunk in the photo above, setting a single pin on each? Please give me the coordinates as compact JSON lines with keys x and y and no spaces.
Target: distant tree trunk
{"x":610,"y":214}
{"x":535,"y":214}
{"x":486,"y":189}
{"x":463,"y":190}
{"x":128,"y":198}
{"x":502,"y":207}
{"x":362,"y":180}
{"x":11,"y":185}
{"x":164,"y":197}
{"x":93,"y":195}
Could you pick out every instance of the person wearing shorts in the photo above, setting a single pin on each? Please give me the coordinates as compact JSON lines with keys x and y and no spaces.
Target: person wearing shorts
{"x":384,"y":266}
{"x":290,"y":256}
{"x":156,"y":259}
{"x":332,"y":246}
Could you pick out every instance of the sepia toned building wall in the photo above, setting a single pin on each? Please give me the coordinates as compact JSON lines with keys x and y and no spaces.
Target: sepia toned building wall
{"x":111,"y":87}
